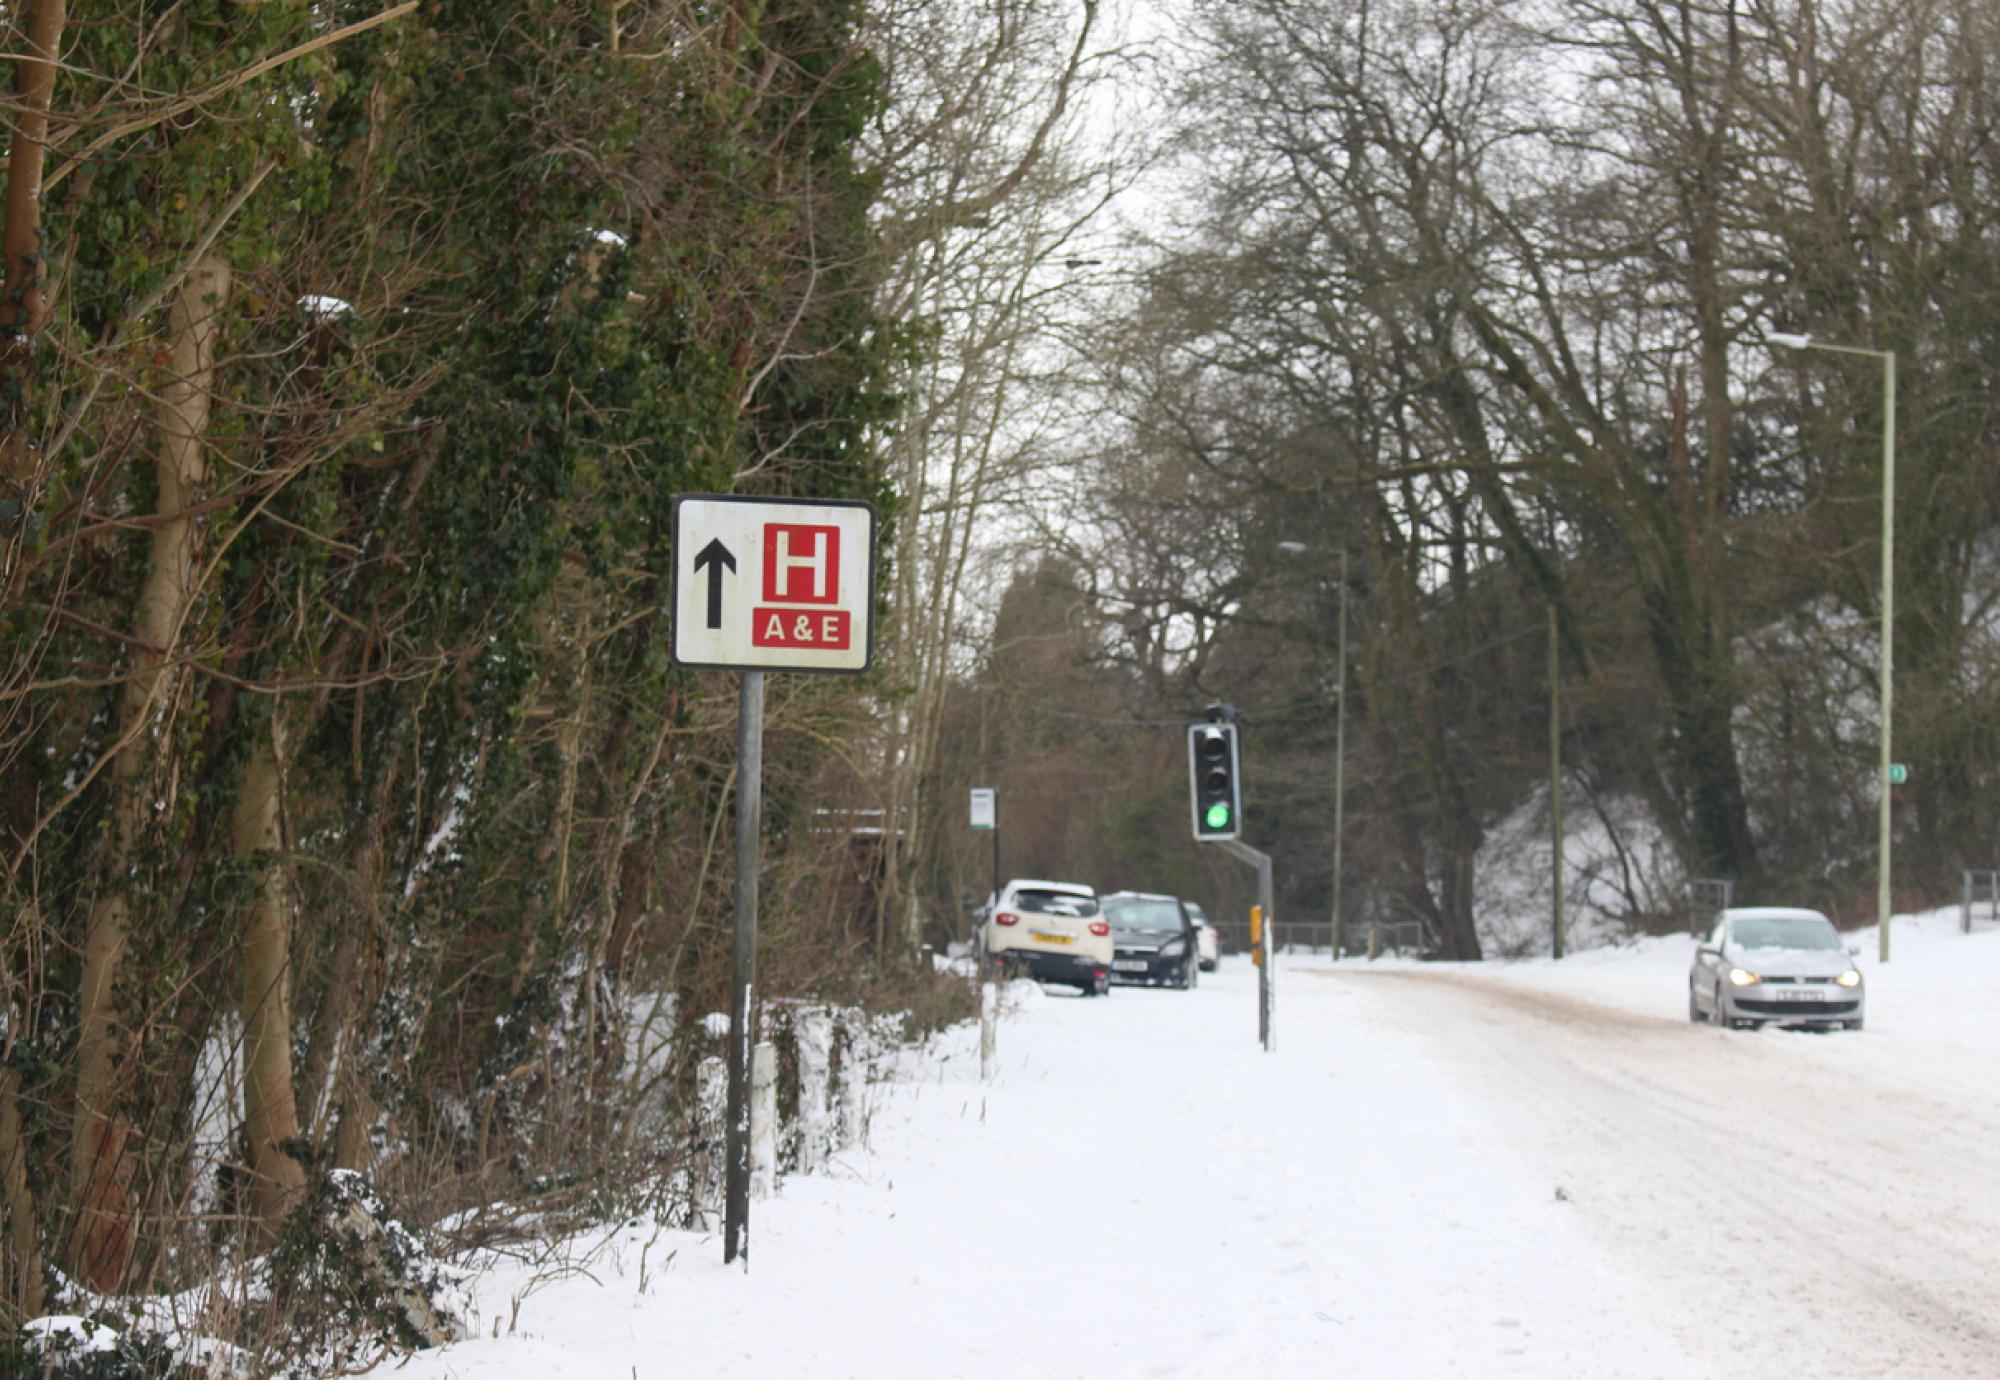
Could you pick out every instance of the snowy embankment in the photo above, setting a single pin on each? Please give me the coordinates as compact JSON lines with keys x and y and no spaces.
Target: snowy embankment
{"x":1531,"y":1169}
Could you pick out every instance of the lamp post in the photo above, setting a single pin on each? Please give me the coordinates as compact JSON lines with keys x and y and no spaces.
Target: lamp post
{"x":1339,"y":742}
{"x":1888,"y":358}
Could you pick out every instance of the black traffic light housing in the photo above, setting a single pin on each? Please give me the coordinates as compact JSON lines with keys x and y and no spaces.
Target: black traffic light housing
{"x":1215,"y":781}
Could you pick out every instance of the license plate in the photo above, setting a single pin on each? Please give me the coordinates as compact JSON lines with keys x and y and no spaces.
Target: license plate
{"x":1047,"y":938}
{"x":1131,"y":965}
{"x":1799,"y":994}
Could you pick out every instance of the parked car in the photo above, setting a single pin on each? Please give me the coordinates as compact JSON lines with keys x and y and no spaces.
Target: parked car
{"x":1153,"y":939}
{"x":1207,"y":943}
{"x":1769,"y":964}
{"x":1053,"y":931}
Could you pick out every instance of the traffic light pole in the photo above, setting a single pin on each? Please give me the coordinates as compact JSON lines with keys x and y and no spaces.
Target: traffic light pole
{"x":1267,"y":976}
{"x":1215,"y":795}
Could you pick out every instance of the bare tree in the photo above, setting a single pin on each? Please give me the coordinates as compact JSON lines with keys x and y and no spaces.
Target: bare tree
{"x":992,"y":184}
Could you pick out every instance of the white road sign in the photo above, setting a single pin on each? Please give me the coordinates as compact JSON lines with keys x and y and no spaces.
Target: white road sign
{"x":982,"y":807}
{"x":767,"y":584}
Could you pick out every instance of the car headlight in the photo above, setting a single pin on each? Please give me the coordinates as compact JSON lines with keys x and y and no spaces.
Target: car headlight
{"x":1172,"y":947}
{"x":1850,"y":978}
{"x":1743,"y":977}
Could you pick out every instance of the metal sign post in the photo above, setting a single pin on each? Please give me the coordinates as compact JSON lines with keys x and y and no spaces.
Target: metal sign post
{"x":743,"y":964}
{"x":760,"y":585}
{"x":986,"y":815}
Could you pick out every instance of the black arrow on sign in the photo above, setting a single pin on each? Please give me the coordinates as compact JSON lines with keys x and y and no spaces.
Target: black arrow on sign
{"x":715,"y":556}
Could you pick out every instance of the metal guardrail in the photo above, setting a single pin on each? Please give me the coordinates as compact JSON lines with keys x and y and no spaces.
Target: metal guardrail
{"x":1303,"y":936}
{"x":1400,"y":937}
{"x":1707,"y":897}
{"x":1979,"y":885}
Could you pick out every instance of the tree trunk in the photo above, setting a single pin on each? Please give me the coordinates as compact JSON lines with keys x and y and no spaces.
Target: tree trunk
{"x":23,"y":308}
{"x":1460,"y":932}
{"x":1698,"y":677}
{"x":101,"y":1235}
{"x":21,"y":1263}
{"x":270,"y":1109}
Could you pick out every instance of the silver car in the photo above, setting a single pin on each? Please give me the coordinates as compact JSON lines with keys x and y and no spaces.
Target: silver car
{"x":1769,"y":964}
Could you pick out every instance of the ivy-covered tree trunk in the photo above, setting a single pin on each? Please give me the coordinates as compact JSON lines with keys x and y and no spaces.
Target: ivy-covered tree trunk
{"x":21,"y":1261}
{"x":23,"y":305}
{"x":1697,"y":672}
{"x":103,"y":1231}
{"x":270,"y":1109}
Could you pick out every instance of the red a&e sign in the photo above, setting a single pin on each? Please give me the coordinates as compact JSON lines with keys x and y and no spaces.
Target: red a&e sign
{"x":801,"y":577}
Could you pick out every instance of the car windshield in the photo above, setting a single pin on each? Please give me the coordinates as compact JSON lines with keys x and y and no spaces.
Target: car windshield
{"x":1055,"y":902}
{"x":1142,"y":913}
{"x":1785,"y":932}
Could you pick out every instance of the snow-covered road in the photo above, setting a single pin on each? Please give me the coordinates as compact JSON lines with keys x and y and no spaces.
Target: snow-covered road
{"x":1531,"y":1170}
{"x":1782,"y":1198}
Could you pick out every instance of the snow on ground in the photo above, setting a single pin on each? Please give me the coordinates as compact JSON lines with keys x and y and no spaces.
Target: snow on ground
{"x":1531,"y":1169}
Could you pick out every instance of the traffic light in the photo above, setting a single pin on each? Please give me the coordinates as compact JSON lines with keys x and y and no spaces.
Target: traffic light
{"x":1214,"y":785}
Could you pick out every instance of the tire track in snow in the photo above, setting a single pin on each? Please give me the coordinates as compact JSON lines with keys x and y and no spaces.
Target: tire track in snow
{"x":1793,"y":1208}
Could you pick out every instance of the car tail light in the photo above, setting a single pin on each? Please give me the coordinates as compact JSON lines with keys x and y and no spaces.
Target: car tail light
{"x":1006,"y":917}
{"x":1100,"y":928}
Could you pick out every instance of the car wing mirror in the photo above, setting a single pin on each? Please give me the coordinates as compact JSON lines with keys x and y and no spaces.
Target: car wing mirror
{"x":1854,"y":951}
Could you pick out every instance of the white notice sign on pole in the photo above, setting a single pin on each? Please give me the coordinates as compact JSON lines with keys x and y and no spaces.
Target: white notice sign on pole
{"x":982,"y":807}
{"x":763,"y":584}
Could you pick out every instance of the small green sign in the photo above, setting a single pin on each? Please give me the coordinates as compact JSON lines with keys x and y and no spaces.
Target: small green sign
{"x":1218,"y":815}
{"x":1899,"y":772}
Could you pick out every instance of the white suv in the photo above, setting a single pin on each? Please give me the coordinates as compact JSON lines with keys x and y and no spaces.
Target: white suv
{"x":1052,"y":931}
{"x":1207,"y":943}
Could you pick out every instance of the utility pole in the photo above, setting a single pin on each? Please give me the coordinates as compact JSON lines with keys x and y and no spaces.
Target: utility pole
{"x":1891,"y":772}
{"x":1556,"y":775}
{"x":1882,"y":835}
{"x":1341,"y":733}
{"x":1340,"y":753}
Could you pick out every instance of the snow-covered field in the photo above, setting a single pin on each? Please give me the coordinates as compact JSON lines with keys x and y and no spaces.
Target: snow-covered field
{"x":1529,"y":1169}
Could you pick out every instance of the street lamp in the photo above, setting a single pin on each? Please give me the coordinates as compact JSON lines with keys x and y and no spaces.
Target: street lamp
{"x":1888,"y":358}
{"x":1339,"y":739}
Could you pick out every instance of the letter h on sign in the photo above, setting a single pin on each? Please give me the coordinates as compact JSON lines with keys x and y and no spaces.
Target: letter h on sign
{"x":801,"y":566}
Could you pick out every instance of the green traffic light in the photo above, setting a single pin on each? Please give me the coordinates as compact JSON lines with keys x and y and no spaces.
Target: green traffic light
{"x":1218,"y":816}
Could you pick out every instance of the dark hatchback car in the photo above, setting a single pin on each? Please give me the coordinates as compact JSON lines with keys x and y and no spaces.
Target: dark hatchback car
{"x":1153,"y":939}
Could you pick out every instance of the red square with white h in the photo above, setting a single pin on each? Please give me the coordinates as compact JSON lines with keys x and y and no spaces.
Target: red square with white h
{"x":801,"y":563}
